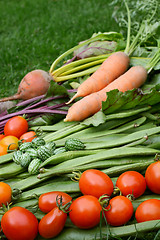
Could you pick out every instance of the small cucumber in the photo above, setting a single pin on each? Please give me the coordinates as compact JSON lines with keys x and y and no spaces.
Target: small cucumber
{"x":32,"y":152}
{"x":43,"y":153}
{"x":25,"y":146}
{"x":38,"y":141}
{"x":74,"y":144}
{"x":17,"y":156}
{"x":34,"y":166}
{"x":25,"y":159}
{"x":51,"y":145}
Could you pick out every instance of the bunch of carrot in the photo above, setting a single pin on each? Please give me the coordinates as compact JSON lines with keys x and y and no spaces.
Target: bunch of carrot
{"x":112,"y":74}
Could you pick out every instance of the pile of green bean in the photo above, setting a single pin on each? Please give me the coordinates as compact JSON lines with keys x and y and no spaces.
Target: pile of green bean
{"x":118,"y":145}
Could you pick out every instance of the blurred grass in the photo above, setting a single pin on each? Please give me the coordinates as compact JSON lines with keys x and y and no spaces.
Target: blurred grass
{"x":33,"y":33}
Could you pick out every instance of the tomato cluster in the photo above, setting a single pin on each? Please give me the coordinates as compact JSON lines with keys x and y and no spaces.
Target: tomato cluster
{"x":56,"y":205}
{"x":15,"y":129}
{"x":99,"y":200}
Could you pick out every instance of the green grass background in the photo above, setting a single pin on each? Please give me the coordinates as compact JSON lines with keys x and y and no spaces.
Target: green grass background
{"x":33,"y":33}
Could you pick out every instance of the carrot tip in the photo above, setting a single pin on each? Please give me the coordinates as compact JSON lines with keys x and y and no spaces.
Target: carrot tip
{"x":69,"y":101}
{"x":72,"y":99}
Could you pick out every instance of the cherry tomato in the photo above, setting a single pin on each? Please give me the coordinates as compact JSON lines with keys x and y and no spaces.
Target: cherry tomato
{"x":120,"y":211}
{"x":5,"y":193}
{"x":152,"y":177}
{"x":96,"y":183}
{"x":85,"y":212}
{"x":10,"y":141}
{"x":47,"y":201}
{"x":16,"y":126}
{"x":148,"y":210}
{"x":2,"y":136}
{"x":52,"y":223}
{"x":3,"y":149}
{"x":28,"y":136}
{"x":131,"y":182}
{"x":19,"y":223}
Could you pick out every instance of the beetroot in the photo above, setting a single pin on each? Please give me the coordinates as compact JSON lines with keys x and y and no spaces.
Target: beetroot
{"x":34,"y":83}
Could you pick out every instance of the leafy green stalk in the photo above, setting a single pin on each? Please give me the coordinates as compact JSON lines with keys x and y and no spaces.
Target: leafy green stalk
{"x":76,"y":63}
{"x":77,"y":74}
{"x":97,"y":37}
{"x":84,"y":66}
{"x":129,"y":28}
{"x":87,"y":66}
{"x":146,"y":29}
{"x":154,"y":60}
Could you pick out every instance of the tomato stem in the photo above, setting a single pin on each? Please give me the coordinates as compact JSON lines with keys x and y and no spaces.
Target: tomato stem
{"x":77,"y":176}
{"x":104,"y":201}
{"x":64,"y":208}
{"x":116,"y":191}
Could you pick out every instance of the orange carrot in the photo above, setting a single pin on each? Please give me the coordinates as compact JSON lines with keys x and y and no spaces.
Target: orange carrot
{"x":34,"y":83}
{"x":115,"y":65}
{"x":92,"y":103}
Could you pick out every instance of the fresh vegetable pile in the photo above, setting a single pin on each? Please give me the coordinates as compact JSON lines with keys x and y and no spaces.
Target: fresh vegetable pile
{"x":92,"y":168}
{"x":81,"y":161}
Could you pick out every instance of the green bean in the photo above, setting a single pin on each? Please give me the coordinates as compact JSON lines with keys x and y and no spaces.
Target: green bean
{"x":147,"y":125}
{"x":18,"y":177}
{"x":127,"y":113}
{"x":124,"y":140}
{"x":118,"y":152}
{"x":114,"y":162}
{"x":6,"y":158}
{"x":10,"y":170}
{"x":110,"y":137}
{"x":73,"y":233}
{"x":28,"y":182}
{"x":63,"y":132}
{"x":137,"y":142}
{"x":61,"y":125}
{"x":63,"y":186}
{"x":33,"y":180}
{"x":26,"y":204}
{"x":102,"y":130}
{"x":153,"y":142}
{"x":116,"y":170}
{"x":150,"y":116}
{"x":61,"y":157}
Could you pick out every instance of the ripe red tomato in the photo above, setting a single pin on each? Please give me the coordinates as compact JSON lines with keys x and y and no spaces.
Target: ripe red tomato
{"x":120,"y":211}
{"x":52,"y":223}
{"x":96,"y":183}
{"x":131,"y":182}
{"x":3,"y":149}
{"x":5,"y":193}
{"x":47,"y":201}
{"x":152,"y":177}
{"x":28,"y":136}
{"x":10,"y":141}
{"x":19,"y":223}
{"x":148,"y":210}
{"x":16,"y":126}
{"x":85,"y":212}
{"x":2,"y":136}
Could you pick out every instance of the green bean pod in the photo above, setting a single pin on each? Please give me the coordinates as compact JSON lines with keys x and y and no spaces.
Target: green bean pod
{"x":135,"y":229}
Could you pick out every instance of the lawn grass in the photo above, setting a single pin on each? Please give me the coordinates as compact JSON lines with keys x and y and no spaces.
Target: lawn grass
{"x":33,"y":33}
